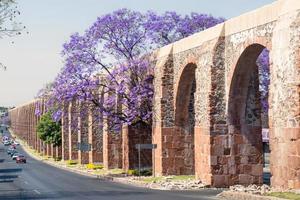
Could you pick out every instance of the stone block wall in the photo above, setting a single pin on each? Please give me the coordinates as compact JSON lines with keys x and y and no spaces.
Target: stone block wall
{"x":228,"y":144}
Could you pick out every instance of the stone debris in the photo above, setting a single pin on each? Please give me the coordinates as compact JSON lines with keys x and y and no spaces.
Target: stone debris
{"x":178,"y":185}
{"x":252,"y":189}
{"x":167,"y":183}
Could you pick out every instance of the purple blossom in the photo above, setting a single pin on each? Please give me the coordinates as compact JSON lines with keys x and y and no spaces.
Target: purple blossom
{"x":110,"y":59}
{"x":263,"y":64}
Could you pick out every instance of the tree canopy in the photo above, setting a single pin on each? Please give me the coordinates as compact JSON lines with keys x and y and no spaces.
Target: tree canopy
{"x":110,"y":58}
{"x":48,"y":130}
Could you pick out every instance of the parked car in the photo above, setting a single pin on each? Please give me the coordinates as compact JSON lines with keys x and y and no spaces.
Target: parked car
{"x":14,"y":157}
{"x":10,"y":149}
{"x":16,"y":143}
{"x":21,"y":159}
{"x":13,"y":153}
{"x":6,"y":143}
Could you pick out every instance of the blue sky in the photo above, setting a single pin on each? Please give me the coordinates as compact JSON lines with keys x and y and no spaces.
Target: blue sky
{"x":34,"y":59}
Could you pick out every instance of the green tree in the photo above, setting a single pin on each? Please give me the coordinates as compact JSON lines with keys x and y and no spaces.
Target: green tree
{"x":48,"y":130}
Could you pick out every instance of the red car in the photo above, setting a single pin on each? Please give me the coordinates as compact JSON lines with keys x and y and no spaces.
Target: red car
{"x":21,"y":159}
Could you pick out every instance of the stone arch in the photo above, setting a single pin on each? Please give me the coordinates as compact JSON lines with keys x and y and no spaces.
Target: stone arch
{"x":185,"y":119}
{"x":185,"y":85}
{"x":245,"y":67}
{"x":244,"y":118}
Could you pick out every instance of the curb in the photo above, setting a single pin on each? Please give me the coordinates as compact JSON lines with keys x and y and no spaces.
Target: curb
{"x":229,"y":195}
{"x":99,"y":177}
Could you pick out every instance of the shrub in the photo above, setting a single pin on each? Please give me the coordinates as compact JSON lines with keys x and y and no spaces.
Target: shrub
{"x":146,"y":172}
{"x":94,"y":166}
{"x":57,"y":159}
{"x":72,"y":162}
{"x":135,"y":172}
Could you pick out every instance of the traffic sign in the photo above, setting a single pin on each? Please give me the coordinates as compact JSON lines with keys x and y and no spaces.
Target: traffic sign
{"x":84,"y":146}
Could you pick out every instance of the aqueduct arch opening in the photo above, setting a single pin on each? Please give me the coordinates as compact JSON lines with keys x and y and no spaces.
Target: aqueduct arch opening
{"x":185,"y":119}
{"x":247,"y":116}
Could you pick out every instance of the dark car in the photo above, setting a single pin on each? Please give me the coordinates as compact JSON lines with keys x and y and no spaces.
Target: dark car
{"x":9,"y":150}
{"x":20,"y":159}
{"x":12,"y":152}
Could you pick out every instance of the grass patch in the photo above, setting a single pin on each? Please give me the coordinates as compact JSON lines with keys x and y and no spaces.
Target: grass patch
{"x":285,"y":195}
{"x":152,"y":179}
{"x":108,"y":172}
{"x":116,"y":171}
{"x":183,"y":178}
{"x":100,"y":172}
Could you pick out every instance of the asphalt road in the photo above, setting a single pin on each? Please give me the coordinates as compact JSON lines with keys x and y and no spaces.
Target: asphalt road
{"x":37,"y":180}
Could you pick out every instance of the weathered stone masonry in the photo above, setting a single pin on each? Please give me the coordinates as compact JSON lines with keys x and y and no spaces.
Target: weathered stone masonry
{"x":207,"y":118}
{"x":227,"y":133}
{"x":110,"y":149}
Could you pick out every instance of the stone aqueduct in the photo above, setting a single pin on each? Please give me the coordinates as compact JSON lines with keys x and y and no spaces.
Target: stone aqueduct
{"x":206,"y":94}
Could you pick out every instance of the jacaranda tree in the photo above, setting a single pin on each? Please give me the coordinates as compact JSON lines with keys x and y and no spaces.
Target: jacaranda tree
{"x":110,"y":59}
{"x":112,"y":55}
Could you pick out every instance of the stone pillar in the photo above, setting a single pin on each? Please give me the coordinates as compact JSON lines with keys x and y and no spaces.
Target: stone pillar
{"x":125,"y":148}
{"x":52,"y":151}
{"x":163,"y":122}
{"x":48,"y":149}
{"x":285,"y":99}
{"x":83,"y":156}
{"x":95,"y":136}
{"x":65,"y":134}
{"x":73,"y":131}
{"x":58,"y":152}
{"x":203,"y":158}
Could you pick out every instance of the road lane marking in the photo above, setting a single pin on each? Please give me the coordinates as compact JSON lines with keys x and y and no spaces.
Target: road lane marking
{"x":36,"y":191}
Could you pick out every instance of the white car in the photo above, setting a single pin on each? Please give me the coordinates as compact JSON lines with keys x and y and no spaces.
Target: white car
{"x":16,"y":143}
{"x":6,"y":142}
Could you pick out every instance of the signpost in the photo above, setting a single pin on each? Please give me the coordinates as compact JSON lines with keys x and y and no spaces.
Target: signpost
{"x":146,"y":146}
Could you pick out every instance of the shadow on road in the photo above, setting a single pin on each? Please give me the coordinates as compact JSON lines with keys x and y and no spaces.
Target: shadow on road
{"x":6,"y":181}
{"x":8,"y":177}
{"x":10,"y":170}
{"x":73,"y":195}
